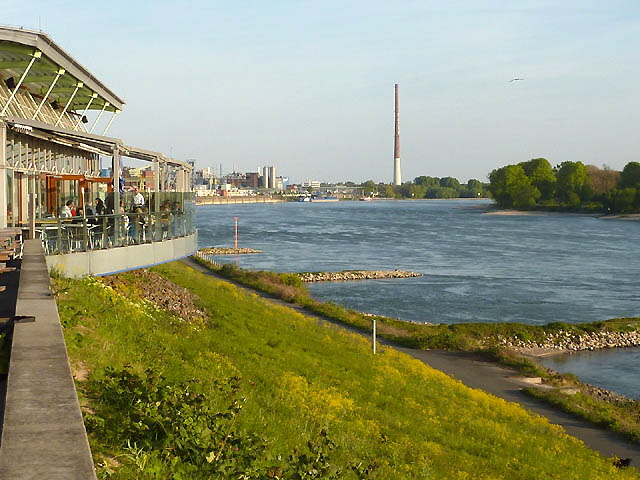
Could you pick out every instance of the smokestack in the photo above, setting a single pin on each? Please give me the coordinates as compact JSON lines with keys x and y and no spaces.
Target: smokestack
{"x":397,"y":173}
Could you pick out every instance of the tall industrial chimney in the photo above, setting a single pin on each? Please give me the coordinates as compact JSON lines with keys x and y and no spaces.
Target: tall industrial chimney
{"x":397,"y":173}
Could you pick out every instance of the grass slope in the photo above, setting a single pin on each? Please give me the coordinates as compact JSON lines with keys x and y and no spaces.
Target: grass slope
{"x":256,"y":391}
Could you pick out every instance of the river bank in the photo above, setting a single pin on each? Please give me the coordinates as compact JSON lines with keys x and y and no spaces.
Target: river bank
{"x":541,"y":213}
{"x":472,"y":369}
{"x":217,"y":200}
{"x":570,"y":342}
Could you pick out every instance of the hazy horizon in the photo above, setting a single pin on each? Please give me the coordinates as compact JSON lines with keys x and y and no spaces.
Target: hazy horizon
{"x":308,"y":87}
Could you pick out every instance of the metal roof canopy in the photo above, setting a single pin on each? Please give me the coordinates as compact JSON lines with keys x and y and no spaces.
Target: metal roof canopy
{"x":55,"y":58}
{"x":104,"y":144}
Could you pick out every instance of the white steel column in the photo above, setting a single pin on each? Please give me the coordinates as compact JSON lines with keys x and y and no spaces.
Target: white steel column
{"x":23,"y":199}
{"x":95,"y":122}
{"x":79,"y":85}
{"x":179,"y":179}
{"x":59,"y":73}
{"x":93,"y":97}
{"x":110,"y":122}
{"x":156,"y":196}
{"x":36,"y":55}
{"x":115,"y":170}
{"x":3,"y":175}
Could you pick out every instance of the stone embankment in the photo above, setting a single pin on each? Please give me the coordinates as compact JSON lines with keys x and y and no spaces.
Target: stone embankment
{"x":228,"y":251}
{"x":572,"y":342}
{"x":355,"y":275}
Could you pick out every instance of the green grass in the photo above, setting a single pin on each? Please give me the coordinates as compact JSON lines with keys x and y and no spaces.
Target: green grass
{"x":483,"y":338}
{"x":477,"y":337}
{"x":620,"y":416}
{"x":257,"y":391}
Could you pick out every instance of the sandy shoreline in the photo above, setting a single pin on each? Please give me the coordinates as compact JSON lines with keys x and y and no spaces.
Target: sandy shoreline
{"x":534,"y":213}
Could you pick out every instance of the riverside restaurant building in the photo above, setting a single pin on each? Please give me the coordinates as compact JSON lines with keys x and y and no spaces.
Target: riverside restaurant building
{"x":61,"y":175}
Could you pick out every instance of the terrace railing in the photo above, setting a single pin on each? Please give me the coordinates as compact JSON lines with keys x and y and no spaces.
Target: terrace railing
{"x":81,"y":234}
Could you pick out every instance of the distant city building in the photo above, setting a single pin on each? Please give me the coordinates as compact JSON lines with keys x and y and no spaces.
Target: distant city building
{"x":253,"y":179}
{"x":311,"y":183}
{"x":272,"y":177}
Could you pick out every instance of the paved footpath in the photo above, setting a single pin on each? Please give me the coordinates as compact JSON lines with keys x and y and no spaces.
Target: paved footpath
{"x":500,"y":381}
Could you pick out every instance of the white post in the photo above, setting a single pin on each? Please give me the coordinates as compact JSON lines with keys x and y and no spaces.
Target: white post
{"x":374,"y":337}
{"x":84,"y":204}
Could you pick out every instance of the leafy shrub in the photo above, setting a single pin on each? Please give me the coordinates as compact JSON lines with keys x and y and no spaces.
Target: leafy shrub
{"x":175,"y":425}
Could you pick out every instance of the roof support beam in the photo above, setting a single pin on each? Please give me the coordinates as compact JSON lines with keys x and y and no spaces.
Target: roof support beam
{"x":95,"y":122}
{"x":93,"y":97}
{"x":110,"y":122}
{"x":59,"y":73}
{"x":79,"y":85}
{"x":36,"y":55}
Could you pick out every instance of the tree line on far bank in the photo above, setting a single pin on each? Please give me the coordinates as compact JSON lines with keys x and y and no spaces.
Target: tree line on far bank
{"x":426,"y":187}
{"x":535,"y":184}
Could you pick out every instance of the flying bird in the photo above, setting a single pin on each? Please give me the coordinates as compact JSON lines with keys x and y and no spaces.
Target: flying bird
{"x":517,"y":79}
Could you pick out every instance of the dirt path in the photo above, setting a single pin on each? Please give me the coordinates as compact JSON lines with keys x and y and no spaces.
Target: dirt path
{"x":500,"y":381}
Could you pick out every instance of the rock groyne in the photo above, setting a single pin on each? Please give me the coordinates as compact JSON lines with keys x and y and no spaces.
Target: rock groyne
{"x":572,"y":342}
{"x":228,"y":251}
{"x":348,"y":275}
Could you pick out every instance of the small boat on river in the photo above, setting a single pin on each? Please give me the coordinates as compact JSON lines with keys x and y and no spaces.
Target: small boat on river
{"x":325,"y":198}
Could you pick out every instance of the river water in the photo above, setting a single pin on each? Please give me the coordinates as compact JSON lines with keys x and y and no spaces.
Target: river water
{"x":478,"y":266}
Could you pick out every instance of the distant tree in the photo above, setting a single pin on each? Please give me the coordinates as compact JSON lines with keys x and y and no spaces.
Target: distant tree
{"x":542,"y":176}
{"x":474,"y":189}
{"x":450,"y":182}
{"x":428,"y":182}
{"x":602,"y":179}
{"x":621,"y":200}
{"x":572,"y":186}
{"x":369,"y":187}
{"x":442,"y":192}
{"x":630,"y":176}
{"x":511,"y":188}
{"x":388,"y":191}
{"x":411,"y":190}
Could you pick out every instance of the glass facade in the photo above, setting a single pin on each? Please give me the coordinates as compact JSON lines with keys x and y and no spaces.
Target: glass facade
{"x":74,"y":206}
{"x":55,"y":173}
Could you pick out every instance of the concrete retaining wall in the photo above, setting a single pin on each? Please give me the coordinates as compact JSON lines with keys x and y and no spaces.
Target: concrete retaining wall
{"x":43,"y":434}
{"x":119,"y":259}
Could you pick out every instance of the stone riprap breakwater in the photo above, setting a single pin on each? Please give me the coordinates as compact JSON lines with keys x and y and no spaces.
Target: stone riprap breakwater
{"x":572,"y":342}
{"x":355,"y":275}
{"x":228,"y":251}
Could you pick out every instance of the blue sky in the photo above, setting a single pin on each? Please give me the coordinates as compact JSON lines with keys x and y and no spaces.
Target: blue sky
{"x":307,"y":86}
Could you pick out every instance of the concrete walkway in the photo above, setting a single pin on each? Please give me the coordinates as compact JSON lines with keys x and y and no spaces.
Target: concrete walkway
{"x":493,"y":378}
{"x":43,"y":435}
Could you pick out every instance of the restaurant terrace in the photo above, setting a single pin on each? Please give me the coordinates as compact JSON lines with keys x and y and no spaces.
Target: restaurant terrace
{"x":61,"y":175}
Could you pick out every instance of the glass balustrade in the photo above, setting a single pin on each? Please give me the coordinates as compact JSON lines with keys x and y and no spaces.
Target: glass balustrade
{"x":175,"y":218}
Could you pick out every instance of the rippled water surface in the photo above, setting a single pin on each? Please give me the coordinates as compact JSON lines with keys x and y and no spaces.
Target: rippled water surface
{"x":617,"y":370}
{"x":477,"y":267}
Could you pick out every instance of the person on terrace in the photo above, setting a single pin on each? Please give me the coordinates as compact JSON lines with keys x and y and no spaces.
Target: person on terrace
{"x":138,"y":200}
{"x":66,"y":211}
